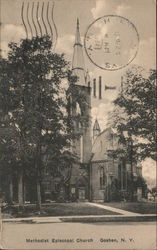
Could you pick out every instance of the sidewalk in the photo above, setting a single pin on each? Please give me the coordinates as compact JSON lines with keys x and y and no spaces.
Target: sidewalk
{"x":116,"y":210}
{"x":121,"y":217}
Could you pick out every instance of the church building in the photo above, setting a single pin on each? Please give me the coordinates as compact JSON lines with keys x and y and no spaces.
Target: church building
{"x":97,"y":175}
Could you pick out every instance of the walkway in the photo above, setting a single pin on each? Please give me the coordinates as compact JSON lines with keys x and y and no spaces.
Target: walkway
{"x":121,"y":215}
{"x":113,"y":209}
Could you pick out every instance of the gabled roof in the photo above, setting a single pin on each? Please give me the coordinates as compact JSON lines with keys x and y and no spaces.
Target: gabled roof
{"x":105,"y":141}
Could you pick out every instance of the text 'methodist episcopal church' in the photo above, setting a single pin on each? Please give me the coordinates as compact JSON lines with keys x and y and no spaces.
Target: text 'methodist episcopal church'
{"x":97,"y":176}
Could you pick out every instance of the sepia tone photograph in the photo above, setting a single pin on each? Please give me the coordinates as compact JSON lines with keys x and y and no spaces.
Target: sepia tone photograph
{"x":78,"y":124}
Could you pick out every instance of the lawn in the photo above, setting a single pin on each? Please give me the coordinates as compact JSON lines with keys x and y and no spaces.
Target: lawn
{"x":136,"y":207}
{"x":75,"y":209}
{"x":62,"y":209}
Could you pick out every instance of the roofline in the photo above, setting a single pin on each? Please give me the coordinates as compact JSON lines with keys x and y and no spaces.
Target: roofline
{"x":100,"y":134}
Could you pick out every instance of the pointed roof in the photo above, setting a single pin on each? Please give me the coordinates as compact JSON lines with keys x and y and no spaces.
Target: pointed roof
{"x":96,"y":125}
{"x":104,"y":140}
{"x":87,"y":77}
{"x":78,"y":66}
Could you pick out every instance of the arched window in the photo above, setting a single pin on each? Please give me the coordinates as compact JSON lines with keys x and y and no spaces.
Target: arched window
{"x":81,"y":148}
{"x":78,"y":109}
{"x":78,"y":125}
{"x":102,"y":178}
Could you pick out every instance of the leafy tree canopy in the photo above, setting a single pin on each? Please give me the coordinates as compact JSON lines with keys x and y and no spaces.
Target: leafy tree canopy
{"x":30,"y":96}
{"x":135,"y":112}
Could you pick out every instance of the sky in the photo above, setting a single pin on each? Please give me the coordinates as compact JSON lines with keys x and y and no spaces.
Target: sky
{"x":139,"y":12}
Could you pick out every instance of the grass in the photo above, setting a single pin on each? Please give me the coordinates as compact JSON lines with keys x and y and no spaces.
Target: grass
{"x":111,"y":219}
{"x":74,"y":209}
{"x":62,"y":209}
{"x":136,"y":207}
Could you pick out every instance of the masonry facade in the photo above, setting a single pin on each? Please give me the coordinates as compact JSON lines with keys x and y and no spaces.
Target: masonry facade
{"x":111,"y":176}
{"x":97,"y":175}
{"x":80,"y":103}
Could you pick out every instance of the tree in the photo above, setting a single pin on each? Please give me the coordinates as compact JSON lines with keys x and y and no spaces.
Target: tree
{"x":134,"y":117}
{"x":138,"y":101}
{"x":38,"y":113}
{"x":8,"y":139}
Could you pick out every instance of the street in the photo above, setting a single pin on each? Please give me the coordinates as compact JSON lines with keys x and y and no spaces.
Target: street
{"x":140,"y":235}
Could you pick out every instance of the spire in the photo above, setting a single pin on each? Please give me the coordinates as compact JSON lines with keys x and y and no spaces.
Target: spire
{"x":96,"y":129}
{"x":87,"y":77}
{"x":78,"y":66}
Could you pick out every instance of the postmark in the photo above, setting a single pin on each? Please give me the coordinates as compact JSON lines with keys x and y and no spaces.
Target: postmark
{"x":111,"y":42}
{"x":38,"y":20}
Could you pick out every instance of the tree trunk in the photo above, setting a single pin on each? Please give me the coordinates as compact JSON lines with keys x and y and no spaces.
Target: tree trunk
{"x":38,"y":168}
{"x":24,"y":191}
{"x":20,"y":190}
{"x":11,"y":189}
{"x":132,"y":177}
{"x":38,"y":195}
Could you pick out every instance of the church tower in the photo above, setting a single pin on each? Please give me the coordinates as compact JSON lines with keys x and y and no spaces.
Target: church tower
{"x":80,"y":99}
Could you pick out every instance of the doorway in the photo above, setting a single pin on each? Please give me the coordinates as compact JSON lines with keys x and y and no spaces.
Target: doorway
{"x":81,"y":194}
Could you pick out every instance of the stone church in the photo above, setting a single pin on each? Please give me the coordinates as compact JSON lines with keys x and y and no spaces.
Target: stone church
{"x":97,"y":176}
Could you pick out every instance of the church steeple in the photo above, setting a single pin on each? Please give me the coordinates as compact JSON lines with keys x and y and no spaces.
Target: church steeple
{"x":78,"y":66}
{"x":96,"y":129}
{"x":87,"y":78}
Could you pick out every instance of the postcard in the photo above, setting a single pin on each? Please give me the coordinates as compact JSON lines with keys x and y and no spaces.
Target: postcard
{"x":78,"y":124}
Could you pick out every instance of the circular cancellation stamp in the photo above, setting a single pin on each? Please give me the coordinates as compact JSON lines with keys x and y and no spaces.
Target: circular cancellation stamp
{"x":111,"y":42}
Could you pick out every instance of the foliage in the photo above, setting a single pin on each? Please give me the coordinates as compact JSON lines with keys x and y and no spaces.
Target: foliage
{"x":134,"y":116}
{"x":30,"y":89}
